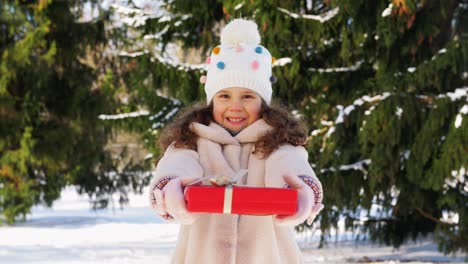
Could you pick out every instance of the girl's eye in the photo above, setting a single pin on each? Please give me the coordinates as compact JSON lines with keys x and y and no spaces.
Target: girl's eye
{"x":223,"y":96}
{"x":248,"y":96}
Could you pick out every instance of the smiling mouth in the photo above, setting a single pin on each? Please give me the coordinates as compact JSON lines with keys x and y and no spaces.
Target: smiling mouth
{"x":235,"y":119}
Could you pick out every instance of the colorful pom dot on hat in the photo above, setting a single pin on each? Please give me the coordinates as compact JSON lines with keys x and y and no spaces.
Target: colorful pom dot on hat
{"x":255,"y":65}
{"x":220,"y":65}
{"x":239,"y":61}
{"x":203,"y":79}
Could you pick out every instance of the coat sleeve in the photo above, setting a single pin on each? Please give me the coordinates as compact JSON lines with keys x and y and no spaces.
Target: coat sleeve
{"x":293,"y":161}
{"x":175,"y":163}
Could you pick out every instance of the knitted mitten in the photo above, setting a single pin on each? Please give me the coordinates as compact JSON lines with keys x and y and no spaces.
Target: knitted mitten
{"x":167,"y":199}
{"x":307,"y":199}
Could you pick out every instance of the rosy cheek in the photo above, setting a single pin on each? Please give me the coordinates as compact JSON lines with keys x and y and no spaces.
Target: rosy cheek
{"x":218,"y":116}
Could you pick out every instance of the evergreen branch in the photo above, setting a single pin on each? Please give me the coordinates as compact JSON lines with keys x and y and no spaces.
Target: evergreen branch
{"x":346,"y":111}
{"x":124,"y":115}
{"x":165,"y":60}
{"x":354,"y":67}
{"x":282,"y":61}
{"x":320,"y":18}
{"x":125,"y":10}
{"x":454,"y":96}
{"x":432,"y":218}
{"x":354,"y":166}
{"x":132,"y":54}
{"x":180,"y":66}
{"x":317,"y":132}
{"x":370,"y":220}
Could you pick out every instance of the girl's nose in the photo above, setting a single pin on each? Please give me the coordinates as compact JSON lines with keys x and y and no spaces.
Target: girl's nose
{"x":236,"y":106}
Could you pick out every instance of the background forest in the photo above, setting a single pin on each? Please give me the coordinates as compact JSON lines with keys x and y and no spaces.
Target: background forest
{"x":86,"y":86}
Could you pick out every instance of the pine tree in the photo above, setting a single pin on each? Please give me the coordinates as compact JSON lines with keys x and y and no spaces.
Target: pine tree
{"x":52,"y":93}
{"x":381,"y":84}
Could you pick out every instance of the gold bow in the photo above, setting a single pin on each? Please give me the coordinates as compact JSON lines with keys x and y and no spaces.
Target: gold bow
{"x":227,"y":182}
{"x":223,"y":180}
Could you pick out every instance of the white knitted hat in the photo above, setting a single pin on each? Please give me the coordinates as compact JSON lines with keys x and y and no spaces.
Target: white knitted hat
{"x":240,"y":61}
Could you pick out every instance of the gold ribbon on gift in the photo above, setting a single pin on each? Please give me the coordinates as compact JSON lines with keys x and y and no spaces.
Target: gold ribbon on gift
{"x":227,"y":206}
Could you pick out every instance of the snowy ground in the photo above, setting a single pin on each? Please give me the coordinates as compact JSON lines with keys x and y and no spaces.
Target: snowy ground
{"x":71,"y":233}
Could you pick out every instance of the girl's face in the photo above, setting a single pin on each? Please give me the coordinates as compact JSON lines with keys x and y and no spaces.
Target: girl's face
{"x":236,"y":108}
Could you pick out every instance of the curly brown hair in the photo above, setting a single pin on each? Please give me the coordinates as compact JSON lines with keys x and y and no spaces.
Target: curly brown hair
{"x":286,"y":128}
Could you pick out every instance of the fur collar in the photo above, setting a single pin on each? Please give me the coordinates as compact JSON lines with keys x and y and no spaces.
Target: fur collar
{"x":218,"y":134}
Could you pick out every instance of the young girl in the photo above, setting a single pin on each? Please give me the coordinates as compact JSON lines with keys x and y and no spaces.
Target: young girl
{"x":237,"y":130}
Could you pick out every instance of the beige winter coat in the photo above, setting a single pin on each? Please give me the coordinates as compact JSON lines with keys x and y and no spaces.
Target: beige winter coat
{"x":222,"y":238}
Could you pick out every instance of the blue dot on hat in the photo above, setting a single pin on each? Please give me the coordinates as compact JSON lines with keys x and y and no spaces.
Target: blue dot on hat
{"x":258,"y":49}
{"x":220,"y":65}
{"x":273,"y":79}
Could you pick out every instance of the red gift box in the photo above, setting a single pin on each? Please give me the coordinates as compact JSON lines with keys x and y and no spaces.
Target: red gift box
{"x":241,"y":200}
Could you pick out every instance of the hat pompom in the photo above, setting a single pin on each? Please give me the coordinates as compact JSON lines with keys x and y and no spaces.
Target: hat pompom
{"x":240,"y":31}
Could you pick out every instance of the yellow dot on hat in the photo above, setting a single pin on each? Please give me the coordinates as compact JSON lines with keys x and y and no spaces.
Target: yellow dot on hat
{"x":255,"y":65}
{"x":220,"y":65}
{"x":273,"y":60}
{"x":216,"y":50}
{"x":208,"y":60}
{"x":203,"y":79}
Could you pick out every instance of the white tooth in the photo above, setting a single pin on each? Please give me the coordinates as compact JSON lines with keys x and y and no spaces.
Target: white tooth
{"x":232,"y":119}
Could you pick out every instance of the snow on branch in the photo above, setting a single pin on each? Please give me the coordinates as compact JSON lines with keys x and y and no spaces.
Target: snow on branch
{"x":354,"y":67}
{"x":239,"y":6}
{"x":282,"y":61}
{"x":187,"y":66}
{"x":125,"y":115}
{"x":320,"y":18}
{"x":169,"y":17}
{"x":459,"y":118}
{"x":454,"y":96}
{"x":355,"y":166}
{"x":131,"y":16}
{"x":457,"y":94}
{"x":165,"y":60}
{"x":173,"y":100}
{"x":166,"y":118}
{"x":450,"y":218}
{"x":125,"y":10}
{"x":458,"y":176}
{"x":345,"y":111}
{"x":132,"y":54}
{"x":157,"y":35}
{"x":148,"y":156}
{"x":134,"y":16}
{"x":388,"y":10}
{"x":328,"y":126}
{"x":179,"y":66}
{"x":441,"y":51}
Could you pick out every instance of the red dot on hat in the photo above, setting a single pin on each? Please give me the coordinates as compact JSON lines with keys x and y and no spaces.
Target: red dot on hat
{"x":208,"y":60}
{"x":255,"y":65}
